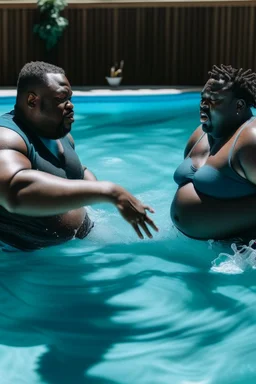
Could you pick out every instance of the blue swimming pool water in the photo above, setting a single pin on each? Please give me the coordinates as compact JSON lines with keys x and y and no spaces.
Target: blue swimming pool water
{"x":115,"y":309}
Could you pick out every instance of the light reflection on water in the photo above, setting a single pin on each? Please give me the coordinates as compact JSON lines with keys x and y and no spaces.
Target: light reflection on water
{"x":113,"y":308}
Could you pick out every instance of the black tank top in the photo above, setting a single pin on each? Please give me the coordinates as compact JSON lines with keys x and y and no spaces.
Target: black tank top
{"x":22,"y":231}
{"x":67,"y":166}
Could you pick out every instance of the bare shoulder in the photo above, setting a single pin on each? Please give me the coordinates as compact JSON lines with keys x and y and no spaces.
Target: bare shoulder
{"x":193,"y":139}
{"x":245,"y":151}
{"x":247,"y":137}
{"x":11,"y":140}
{"x":13,"y":159}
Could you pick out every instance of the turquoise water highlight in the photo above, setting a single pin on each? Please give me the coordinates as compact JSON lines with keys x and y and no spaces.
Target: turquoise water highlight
{"x":115,"y":309}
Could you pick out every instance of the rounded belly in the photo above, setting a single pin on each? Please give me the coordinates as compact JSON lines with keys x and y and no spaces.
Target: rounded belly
{"x":203,"y":217}
{"x":28,"y":233}
{"x":65,"y":225}
{"x":190,"y":214}
{"x":184,"y":200}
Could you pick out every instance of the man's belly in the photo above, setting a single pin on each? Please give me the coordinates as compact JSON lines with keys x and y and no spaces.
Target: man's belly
{"x":67,"y":224}
{"x":26,"y":232}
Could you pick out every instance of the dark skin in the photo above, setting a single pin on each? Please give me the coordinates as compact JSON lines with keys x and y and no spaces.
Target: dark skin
{"x":49,"y":110}
{"x":204,"y":217}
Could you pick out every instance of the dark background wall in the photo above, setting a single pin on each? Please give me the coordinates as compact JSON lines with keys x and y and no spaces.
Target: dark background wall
{"x":161,"y":45}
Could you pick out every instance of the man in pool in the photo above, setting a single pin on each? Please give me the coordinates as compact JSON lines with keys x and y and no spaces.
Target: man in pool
{"x":217,"y":179}
{"x":44,"y":187}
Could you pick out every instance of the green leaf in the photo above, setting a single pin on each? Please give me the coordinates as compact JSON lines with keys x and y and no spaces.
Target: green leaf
{"x":52,"y":24}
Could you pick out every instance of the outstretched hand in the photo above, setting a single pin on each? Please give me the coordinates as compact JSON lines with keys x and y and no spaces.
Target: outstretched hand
{"x":134,"y":211}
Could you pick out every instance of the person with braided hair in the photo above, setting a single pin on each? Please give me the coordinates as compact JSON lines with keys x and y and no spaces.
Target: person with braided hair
{"x":216,"y":194}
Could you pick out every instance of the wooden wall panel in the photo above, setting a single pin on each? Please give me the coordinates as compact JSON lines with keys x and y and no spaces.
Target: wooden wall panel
{"x":160,"y":45}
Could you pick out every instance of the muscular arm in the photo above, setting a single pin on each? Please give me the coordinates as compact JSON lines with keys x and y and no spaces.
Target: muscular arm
{"x":34,"y":193}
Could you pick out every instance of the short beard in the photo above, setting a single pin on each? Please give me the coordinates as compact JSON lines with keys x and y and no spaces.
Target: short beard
{"x":61,"y":131}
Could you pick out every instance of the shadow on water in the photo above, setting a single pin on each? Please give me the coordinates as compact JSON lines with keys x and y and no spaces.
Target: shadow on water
{"x":62,"y":298}
{"x":54,"y":300}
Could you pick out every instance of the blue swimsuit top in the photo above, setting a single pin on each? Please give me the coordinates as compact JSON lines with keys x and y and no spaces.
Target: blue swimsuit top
{"x":224,"y":183}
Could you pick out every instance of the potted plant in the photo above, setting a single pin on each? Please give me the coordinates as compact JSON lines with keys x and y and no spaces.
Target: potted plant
{"x":51,"y":24}
{"x":116,"y":73}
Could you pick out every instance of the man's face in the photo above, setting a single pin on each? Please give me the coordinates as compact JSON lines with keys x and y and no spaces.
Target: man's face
{"x":217,"y":108}
{"x":54,"y":115}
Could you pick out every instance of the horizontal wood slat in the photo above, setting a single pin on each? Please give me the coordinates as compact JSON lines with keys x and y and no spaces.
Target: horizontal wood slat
{"x":133,"y":3}
{"x":160,"y":45}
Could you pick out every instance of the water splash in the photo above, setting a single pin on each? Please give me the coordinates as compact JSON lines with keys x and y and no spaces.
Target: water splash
{"x":244,"y":258}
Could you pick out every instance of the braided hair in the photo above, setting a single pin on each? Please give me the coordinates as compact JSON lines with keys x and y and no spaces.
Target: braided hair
{"x":241,"y":82}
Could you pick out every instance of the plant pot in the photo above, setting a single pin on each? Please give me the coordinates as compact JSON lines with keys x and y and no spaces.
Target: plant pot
{"x":114,"y":81}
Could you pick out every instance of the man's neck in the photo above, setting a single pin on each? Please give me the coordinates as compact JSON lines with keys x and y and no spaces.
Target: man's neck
{"x":19,"y":116}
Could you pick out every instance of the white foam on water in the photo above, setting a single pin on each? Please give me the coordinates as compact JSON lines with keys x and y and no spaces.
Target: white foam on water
{"x":111,"y":160}
{"x":243,"y":259}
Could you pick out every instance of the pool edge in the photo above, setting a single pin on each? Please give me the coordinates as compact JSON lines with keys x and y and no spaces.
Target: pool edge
{"x":121,"y":91}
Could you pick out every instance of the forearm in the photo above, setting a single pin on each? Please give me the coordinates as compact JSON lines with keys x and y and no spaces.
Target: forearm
{"x":35,"y":193}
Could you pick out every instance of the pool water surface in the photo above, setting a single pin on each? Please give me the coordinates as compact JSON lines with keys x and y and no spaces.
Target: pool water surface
{"x":113,"y":309}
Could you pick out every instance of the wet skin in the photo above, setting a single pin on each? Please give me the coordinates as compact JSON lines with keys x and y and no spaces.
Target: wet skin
{"x":204,"y":217}
{"x":52,"y":206}
{"x":52,"y":117}
{"x":57,"y":113}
